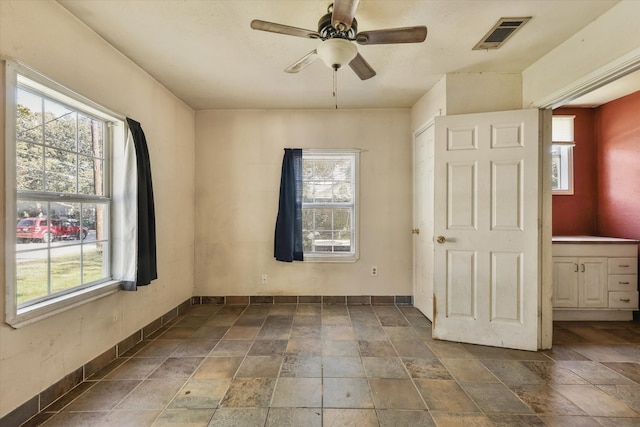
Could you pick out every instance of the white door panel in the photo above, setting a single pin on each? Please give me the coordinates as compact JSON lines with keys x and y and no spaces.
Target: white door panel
{"x":486,"y":275}
{"x":423,"y":221}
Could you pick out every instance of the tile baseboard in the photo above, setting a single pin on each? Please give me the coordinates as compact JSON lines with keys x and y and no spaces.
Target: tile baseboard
{"x":401,"y":300}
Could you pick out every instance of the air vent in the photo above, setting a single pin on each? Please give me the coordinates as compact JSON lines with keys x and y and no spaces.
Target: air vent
{"x":500,"y":33}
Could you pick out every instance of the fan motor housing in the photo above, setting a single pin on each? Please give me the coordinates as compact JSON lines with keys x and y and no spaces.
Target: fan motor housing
{"x":326,"y":30}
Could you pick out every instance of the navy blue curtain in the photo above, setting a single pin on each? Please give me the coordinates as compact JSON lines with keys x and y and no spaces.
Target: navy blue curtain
{"x":288,"y":238}
{"x":147,"y":269}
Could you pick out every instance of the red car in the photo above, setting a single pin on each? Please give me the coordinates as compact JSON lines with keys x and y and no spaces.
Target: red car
{"x":29,"y":229}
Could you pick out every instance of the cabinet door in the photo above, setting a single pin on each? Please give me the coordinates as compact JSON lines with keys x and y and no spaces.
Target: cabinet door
{"x":593,"y":282}
{"x":565,"y":282}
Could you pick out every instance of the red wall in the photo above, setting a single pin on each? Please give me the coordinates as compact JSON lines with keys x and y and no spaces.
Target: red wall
{"x":617,"y":130}
{"x":577,"y":214}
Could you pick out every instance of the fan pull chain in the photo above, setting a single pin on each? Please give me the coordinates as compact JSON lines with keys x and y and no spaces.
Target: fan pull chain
{"x":335,"y":86}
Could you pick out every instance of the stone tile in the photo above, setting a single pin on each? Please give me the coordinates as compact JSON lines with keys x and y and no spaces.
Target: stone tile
{"x":378,"y":348}
{"x":151,"y":394}
{"x":468,"y":370}
{"x":182,"y":417}
{"x":401,"y":333}
{"x":306,"y":332}
{"x":494,"y":397}
{"x":595,"y":373}
{"x":395,"y":393}
{"x":76,"y":419}
{"x":301,"y":366}
{"x":260,"y":366}
{"x":393,"y":321}
{"x":218,"y":367}
{"x":484,"y":352}
{"x":618,"y":422}
{"x":359,"y":300}
{"x":511,"y":420}
{"x":340,"y":348}
{"x":338,"y":333}
{"x":138,"y":418}
{"x":237,"y":300}
{"x":543,"y":399}
{"x":242,"y":333}
{"x":561,"y":352}
{"x":239,"y":417}
{"x":200,"y":394}
{"x":346,"y":393}
{"x":404,"y":418}
{"x":450,"y":350}
{"x":211,"y":332}
{"x":382,"y":300}
{"x":342,"y":367}
{"x":554,"y":373}
{"x":285,"y":299}
{"x":445,"y":395}
{"x":350,"y":418}
{"x":305,"y":299}
{"x":177,"y":367}
{"x":159,"y":348}
{"x":512,"y":371}
{"x":249,"y":393}
{"x":570,"y":421}
{"x":307,"y":417}
{"x":413,"y":348}
{"x":629,"y":370}
{"x":135,"y":368}
{"x":457,"y":419}
{"x":426,"y":368}
{"x":369,"y":332}
{"x":384,"y":367}
{"x":594,"y":401}
{"x":268,"y":348}
{"x":194,"y":348}
{"x":298,"y":393}
{"x":629,"y":394}
{"x":304,"y":347}
{"x":334,"y":300}
{"x":103,"y":396}
{"x":231,"y":348}
{"x":178,"y":332}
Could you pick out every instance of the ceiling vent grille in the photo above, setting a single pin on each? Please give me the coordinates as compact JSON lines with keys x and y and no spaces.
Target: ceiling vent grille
{"x":500,"y":33}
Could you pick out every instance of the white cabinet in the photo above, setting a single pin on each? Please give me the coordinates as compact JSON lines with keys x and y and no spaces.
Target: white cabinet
{"x":594,"y":278}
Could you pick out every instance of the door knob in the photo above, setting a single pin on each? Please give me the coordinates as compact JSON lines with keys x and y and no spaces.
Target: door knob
{"x":415,"y":231}
{"x":441,"y":239}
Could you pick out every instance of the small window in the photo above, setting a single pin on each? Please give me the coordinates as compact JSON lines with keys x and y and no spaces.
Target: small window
{"x":562,"y":155}
{"x":329,"y":205}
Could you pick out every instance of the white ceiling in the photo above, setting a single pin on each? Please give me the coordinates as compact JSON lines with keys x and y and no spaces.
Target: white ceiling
{"x":205,"y":52}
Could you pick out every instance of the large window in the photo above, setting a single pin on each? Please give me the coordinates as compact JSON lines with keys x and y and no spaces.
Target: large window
{"x":329,"y":208}
{"x":562,"y":155}
{"x":58,"y":194}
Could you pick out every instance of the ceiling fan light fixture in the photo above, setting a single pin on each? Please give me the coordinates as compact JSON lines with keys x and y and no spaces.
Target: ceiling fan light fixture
{"x":336,"y":52}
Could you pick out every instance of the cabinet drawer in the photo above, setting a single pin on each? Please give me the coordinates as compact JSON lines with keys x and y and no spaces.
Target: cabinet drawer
{"x":623,"y":266}
{"x":623,"y":300}
{"x":623,"y":282}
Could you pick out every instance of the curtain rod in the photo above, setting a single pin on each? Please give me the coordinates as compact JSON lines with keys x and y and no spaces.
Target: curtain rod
{"x":331,"y":150}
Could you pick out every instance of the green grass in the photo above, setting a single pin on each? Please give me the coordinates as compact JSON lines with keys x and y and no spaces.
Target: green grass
{"x":65,"y":274}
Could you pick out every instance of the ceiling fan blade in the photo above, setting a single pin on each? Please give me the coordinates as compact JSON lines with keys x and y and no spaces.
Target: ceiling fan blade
{"x":343,"y":13}
{"x":272,"y":27}
{"x":302,"y":62}
{"x":393,"y":35}
{"x":362,"y":68}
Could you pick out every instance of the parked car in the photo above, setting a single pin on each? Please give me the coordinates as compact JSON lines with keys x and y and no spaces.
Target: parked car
{"x":48,"y":230}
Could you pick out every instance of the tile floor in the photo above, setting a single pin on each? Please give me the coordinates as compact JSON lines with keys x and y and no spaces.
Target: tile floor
{"x":314,"y":365}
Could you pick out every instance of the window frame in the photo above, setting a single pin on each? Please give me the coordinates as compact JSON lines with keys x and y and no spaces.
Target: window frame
{"x":18,"y":315}
{"x":354,"y":254}
{"x":563,"y":141}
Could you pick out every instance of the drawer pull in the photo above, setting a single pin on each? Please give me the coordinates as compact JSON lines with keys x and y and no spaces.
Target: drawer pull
{"x":623,"y":283}
{"x":623,"y":265}
{"x":625,"y":300}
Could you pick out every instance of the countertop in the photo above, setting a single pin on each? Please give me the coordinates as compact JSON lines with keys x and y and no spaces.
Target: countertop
{"x":591,"y":239}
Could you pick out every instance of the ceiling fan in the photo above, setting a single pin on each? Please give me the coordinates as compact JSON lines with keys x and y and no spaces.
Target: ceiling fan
{"x":337,"y":30}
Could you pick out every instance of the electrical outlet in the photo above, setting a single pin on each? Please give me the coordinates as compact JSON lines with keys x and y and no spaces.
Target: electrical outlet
{"x":374,"y":271}
{"x":265,"y":279}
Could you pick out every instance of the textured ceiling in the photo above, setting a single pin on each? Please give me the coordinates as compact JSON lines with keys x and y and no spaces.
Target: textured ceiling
{"x":205,"y":52}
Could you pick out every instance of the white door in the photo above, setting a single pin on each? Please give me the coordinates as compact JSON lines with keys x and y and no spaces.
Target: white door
{"x":487,"y":275}
{"x":423,"y":221}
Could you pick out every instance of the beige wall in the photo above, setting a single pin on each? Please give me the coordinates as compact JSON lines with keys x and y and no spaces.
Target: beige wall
{"x":238,"y":161}
{"x":48,"y":39}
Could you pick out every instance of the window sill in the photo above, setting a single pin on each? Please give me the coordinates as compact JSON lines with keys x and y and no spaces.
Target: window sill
{"x":36,"y":312}
{"x":331,"y":258}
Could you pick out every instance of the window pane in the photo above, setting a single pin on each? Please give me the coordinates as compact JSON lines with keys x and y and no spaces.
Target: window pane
{"x":323,"y":169}
{"x":61,"y":170}
{"x":29,"y":162}
{"x":95,"y":220}
{"x":342,"y":170}
{"x":322,"y":219}
{"x":307,"y":192}
{"x":31,"y":275}
{"x":342,"y":192}
{"x":322,"y":192}
{"x":324,"y":241}
{"x":342,"y":219}
{"x":94,"y":261}
{"x":60,"y":126}
{"x":29,"y":117}
{"x":65,"y":268}
{"x":90,"y":136}
{"x":90,"y":176}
